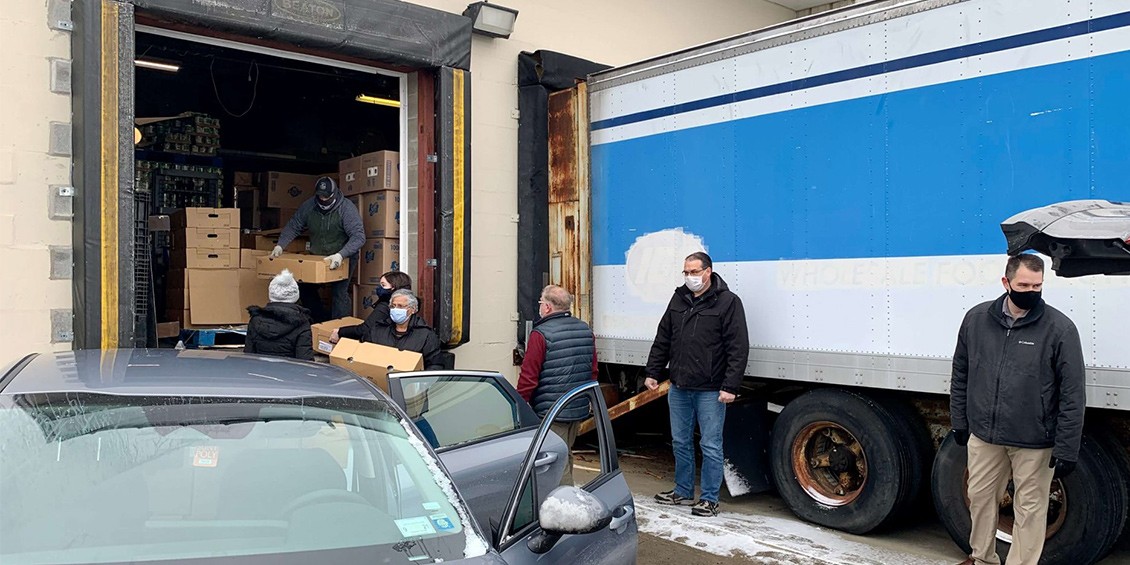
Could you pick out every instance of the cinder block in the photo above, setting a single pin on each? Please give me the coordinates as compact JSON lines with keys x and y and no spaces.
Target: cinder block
{"x":61,"y":202}
{"x":60,"y":75}
{"x":59,"y":15}
{"x":62,"y":262}
{"x":60,"y":140}
{"x":62,"y":326}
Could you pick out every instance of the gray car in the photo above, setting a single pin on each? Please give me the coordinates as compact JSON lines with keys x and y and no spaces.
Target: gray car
{"x":186,"y":457}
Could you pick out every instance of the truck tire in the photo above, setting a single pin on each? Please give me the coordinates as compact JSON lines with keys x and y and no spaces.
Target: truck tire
{"x":1085,"y":519}
{"x":919,"y":450}
{"x":839,"y":460}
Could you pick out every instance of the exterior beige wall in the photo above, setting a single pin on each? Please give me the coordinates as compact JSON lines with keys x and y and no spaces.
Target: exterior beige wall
{"x":610,"y":32}
{"x":27,"y":107}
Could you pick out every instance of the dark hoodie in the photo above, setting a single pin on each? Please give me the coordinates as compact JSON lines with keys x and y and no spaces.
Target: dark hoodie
{"x":704,"y":342}
{"x":419,"y":338}
{"x":280,"y":329}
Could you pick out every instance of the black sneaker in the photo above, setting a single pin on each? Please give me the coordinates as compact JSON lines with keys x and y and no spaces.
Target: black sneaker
{"x":705,"y":508}
{"x":669,"y":497}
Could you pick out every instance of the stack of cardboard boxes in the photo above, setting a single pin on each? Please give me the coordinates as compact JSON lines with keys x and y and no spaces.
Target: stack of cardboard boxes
{"x":208,"y":284}
{"x":372,"y":182}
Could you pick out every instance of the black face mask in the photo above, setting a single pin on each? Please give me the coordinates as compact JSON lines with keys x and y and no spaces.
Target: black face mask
{"x":1024,"y":300}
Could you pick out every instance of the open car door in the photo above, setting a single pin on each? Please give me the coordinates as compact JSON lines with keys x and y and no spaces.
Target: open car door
{"x":593,"y":524}
{"x":482,"y":429}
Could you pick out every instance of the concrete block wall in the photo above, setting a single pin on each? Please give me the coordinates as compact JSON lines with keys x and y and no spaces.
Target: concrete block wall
{"x":613,"y":33}
{"x":35,"y":168}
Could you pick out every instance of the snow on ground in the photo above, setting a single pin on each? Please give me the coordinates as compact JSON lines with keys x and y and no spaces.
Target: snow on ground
{"x":764,"y":539}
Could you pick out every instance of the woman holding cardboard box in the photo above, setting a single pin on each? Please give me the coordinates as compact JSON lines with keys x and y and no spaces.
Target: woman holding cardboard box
{"x":336,"y":231}
{"x":391,"y":282}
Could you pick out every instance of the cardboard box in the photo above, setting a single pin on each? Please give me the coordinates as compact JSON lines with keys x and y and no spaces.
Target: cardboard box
{"x":349,"y":176}
{"x":206,"y":238}
{"x":378,"y":257}
{"x":253,"y":291}
{"x":204,"y":259}
{"x":249,"y":258}
{"x":369,"y":173}
{"x":374,"y":361}
{"x":364,"y":298}
{"x":168,"y":329}
{"x":322,"y":332}
{"x":289,"y":190}
{"x":381,"y":171}
{"x":206,"y":218}
{"x":380,"y":213}
{"x":213,"y":297}
{"x":243,"y":178}
{"x":306,"y":268}
{"x":266,"y":241}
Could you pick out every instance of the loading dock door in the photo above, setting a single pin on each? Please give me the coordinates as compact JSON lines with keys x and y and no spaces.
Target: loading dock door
{"x":383,"y":31}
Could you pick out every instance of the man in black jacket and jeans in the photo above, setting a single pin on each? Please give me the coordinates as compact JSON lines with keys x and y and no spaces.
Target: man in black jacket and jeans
{"x":1016,"y":402}
{"x":703,"y":342}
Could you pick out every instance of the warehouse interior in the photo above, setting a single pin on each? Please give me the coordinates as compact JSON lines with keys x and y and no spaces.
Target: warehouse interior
{"x":217,"y":124}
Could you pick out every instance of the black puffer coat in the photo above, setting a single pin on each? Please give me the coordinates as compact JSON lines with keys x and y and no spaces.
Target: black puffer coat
{"x":280,"y":329}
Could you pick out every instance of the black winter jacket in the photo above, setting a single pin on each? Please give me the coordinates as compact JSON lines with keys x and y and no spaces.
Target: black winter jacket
{"x":280,"y":329}
{"x":704,"y":343}
{"x":1021,"y":386}
{"x":419,"y":338}
{"x":378,"y":317}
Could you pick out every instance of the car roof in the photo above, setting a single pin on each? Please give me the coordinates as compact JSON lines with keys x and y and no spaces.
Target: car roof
{"x":168,"y":372}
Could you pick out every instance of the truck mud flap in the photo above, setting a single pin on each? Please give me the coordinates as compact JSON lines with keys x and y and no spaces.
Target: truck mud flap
{"x":745,"y":446}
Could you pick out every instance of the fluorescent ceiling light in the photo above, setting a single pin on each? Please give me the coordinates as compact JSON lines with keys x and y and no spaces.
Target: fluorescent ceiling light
{"x":145,"y":63}
{"x":380,"y":101}
{"x":491,"y":19}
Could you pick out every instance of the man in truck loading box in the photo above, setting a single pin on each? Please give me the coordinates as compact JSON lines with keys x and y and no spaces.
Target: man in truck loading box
{"x":337,"y":232}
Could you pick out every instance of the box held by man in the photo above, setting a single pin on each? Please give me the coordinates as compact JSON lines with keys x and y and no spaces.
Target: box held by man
{"x":306,"y":268}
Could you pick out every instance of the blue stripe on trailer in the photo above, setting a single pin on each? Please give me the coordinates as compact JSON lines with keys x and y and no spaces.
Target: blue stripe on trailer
{"x":961,"y":52}
{"x":921,"y":172}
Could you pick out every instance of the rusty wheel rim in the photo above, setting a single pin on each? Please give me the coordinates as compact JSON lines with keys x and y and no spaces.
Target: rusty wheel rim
{"x":1057,"y":510}
{"x":829,"y":463}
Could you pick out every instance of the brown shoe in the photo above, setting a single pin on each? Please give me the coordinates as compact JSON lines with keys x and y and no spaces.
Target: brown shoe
{"x":968,"y":561}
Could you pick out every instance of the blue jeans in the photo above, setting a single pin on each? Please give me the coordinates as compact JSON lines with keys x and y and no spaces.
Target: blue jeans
{"x":687,"y":407}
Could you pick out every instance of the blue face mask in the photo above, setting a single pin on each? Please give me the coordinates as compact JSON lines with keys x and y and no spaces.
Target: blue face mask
{"x":398,"y":315}
{"x":383,"y":292}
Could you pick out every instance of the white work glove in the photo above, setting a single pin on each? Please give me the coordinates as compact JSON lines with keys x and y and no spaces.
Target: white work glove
{"x":334,"y":260}
{"x":278,"y":250}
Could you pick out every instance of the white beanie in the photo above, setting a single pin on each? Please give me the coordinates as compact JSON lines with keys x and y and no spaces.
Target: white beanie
{"x":283,"y":288}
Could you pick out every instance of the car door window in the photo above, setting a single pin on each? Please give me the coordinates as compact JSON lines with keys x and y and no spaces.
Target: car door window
{"x":452,"y":410}
{"x":592,"y":464}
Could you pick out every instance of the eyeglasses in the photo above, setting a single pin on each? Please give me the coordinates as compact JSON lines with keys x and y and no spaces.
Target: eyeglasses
{"x":694,"y":273}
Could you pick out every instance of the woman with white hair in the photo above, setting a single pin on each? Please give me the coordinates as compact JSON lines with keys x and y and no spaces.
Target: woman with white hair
{"x":406,"y":330}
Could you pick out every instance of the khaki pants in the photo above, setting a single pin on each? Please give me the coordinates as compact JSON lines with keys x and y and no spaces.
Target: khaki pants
{"x":568,"y":432}
{"x":990,"y":467}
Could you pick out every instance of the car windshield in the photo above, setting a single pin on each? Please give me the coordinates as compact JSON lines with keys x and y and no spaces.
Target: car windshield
{"x":88,"y":478}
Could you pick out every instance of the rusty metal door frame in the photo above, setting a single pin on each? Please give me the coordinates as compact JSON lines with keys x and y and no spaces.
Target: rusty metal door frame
{"x":570,"y":201}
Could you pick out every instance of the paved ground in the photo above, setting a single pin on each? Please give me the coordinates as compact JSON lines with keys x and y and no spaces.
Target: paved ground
{"x":760,"y":529}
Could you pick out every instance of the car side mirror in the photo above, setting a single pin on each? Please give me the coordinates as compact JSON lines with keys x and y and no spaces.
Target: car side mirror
{"x":571,"y":510}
